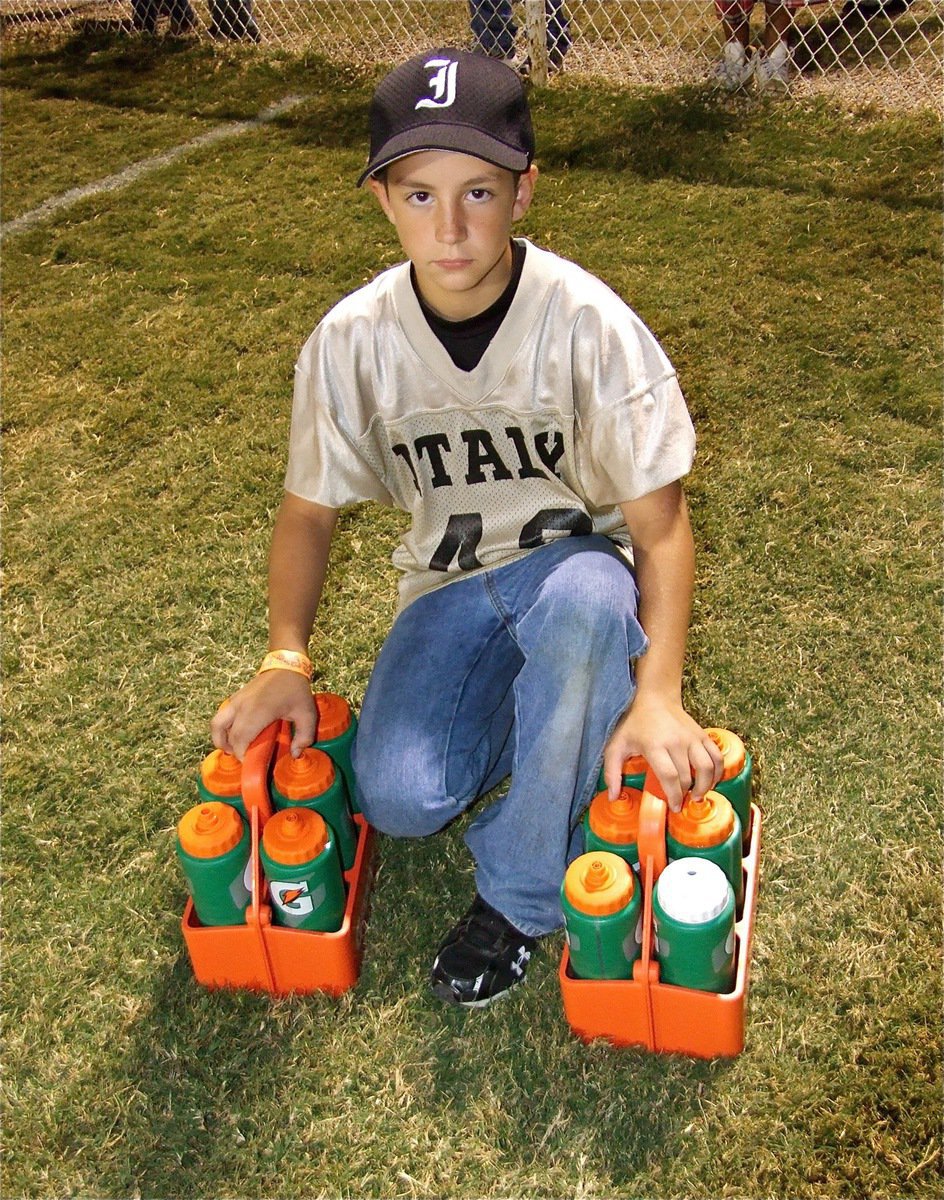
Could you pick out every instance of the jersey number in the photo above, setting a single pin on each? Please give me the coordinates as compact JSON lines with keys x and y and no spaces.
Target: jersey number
{"x":464,"y":532}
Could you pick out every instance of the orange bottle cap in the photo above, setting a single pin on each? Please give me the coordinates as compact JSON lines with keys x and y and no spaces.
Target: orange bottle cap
{"x":222,"y":773}
{"x":599,"y":883}
{"x":705,"y":822}
{"x":732,"y":751}
{"x":635,"y":765}
{"x":209,"y":830}
{"x":616,"y":821}
{"x":294,"y":836}
{"x":311,"y":774}
{"x":334,"y":715}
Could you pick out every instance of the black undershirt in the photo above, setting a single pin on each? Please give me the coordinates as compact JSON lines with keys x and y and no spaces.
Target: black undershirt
{"x":466,"y":341}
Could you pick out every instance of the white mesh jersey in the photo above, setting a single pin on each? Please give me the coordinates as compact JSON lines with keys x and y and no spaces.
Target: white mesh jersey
{"x":572,"y":409}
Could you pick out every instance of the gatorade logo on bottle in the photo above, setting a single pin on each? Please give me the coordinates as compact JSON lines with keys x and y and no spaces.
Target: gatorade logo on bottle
{"x":723,"y":953}
{"x":295,"y":899}
{"x":241,"y":888}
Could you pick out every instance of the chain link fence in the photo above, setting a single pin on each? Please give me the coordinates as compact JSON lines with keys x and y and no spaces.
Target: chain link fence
{"x":887,"y":53}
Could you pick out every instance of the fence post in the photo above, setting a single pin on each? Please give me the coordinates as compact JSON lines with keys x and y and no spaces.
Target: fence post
{"x":536,"y":27}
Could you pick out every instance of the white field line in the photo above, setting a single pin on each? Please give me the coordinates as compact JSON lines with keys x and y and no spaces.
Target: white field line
{"x":144,"y":166}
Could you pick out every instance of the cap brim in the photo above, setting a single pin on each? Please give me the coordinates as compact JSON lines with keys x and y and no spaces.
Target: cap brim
{"x":460,"y":139}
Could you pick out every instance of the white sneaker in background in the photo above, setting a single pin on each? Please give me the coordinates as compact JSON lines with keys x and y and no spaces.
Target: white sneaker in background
{"x":521,"y":63}
{"x":773,"y":70}
{"x":734,"y":69}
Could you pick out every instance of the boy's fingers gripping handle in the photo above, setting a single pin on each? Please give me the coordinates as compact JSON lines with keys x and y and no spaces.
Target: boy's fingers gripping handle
{"x":255,"y":773}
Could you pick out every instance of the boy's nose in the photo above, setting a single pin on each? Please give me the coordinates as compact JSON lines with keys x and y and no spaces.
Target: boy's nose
{"x":451,"y":224}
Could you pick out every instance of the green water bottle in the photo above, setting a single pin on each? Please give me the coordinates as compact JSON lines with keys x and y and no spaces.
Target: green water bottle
{"x":337,"y":726}
{"x":693,"y":914}
{"x":708,"y":828}
{"x":301,"y":864}
{"x":310,"y":781}
{"x":613,"y":825}
{"x":221,"y":778}
{"x":634,"y":774}
{"x":601,"y":899}
{"x":213,"y":846}
{"x":736,"y":779}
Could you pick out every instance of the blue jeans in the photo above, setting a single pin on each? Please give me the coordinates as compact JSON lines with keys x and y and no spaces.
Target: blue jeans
{"x":523,"y":671}
{"x":495,"y":30}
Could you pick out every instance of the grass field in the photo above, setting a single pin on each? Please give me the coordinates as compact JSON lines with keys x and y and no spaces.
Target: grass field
{"x":788,"y":257}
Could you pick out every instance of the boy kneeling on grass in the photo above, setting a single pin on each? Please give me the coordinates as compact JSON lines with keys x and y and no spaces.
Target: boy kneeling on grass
{"x":535,"y":431}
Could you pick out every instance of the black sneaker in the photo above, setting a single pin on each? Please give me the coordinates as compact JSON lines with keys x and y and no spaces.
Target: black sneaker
{"x":481,"y":958}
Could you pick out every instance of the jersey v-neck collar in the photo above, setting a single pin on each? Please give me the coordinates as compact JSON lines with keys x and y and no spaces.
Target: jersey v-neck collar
{"x":477,"y":384}
{"x":468,"y":339}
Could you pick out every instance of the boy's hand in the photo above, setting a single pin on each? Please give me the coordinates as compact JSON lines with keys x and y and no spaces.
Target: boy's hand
{"x":682,"y":755}
{"x":678,"y":750}
{"x":271,"y":696}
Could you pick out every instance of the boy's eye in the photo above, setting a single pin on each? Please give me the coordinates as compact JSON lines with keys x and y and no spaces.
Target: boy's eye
{"x":418,"y":197}
{"x":479,"y":193}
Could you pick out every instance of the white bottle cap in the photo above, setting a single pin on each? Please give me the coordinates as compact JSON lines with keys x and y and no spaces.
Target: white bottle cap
{"x":692,"y":890}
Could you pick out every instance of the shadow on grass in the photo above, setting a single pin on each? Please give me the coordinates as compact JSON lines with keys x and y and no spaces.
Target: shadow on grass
{"x":699,"y":136}
{"x":677,"y":132}
{"x":128,"y":71}
{"x":514,"y":1075}
{"x":239,"y":1094}
{"x":102,"y":67}
{"x":854,"y":38}
{"x":694,"y":134}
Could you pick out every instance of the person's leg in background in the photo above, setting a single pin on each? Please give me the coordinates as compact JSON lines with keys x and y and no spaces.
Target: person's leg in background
{"x":775,"y":66}
{"x":558,"y":33}
{"x":233,"y":20}
{"x":735,"y":67}
{"x":494,"y":27}
{"x":144,"y":15}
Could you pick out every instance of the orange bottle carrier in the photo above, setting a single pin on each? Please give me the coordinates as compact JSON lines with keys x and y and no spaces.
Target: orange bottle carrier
{"x":644,"y":1011}
{"x":260,"y":956}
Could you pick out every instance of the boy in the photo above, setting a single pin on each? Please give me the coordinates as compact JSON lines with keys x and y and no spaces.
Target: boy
{"x":535,"y":431}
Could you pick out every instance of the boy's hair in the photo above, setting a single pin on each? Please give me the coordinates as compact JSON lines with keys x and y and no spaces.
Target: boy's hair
{"x":451,"y":100}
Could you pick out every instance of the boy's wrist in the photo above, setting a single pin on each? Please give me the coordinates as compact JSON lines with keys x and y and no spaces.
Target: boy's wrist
{"x":287,"y":660}
{"x":657,"y":691}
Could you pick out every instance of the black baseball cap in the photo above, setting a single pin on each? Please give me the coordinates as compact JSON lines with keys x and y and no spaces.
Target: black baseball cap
{"x":451,"y":100}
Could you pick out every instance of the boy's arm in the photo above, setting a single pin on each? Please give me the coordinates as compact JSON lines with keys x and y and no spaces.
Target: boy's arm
{"x":656,"y":725}
{"x":298,"y":560}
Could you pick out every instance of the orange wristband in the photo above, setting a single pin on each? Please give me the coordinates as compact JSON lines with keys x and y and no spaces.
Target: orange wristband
{"x":287,"y":660}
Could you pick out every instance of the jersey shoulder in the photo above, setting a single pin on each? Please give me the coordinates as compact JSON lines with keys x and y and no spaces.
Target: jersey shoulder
{"x":359,"y":312}
{"x":582,"y":287}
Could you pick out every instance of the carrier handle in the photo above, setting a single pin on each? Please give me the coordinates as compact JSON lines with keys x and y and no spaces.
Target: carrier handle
{"x":254,"y":785}
{"x":259,"y":915}
{"x":651,"y":836}
{"x":255,"y":773}
{"x":652,"y":861}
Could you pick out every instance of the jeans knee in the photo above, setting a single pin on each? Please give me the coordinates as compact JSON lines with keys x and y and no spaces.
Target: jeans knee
{"x":590,"y":602}
{"x":397,"y":799}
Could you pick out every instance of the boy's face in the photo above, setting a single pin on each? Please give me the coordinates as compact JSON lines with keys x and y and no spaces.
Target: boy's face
{"x":453,"y":215}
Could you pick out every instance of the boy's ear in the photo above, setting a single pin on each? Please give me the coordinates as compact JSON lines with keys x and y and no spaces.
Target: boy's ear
{"x":380,"y":191}
{"x":525,"y":192}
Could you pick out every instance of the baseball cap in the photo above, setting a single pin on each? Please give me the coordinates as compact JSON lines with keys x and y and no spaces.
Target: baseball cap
{"x":451,"y":100}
